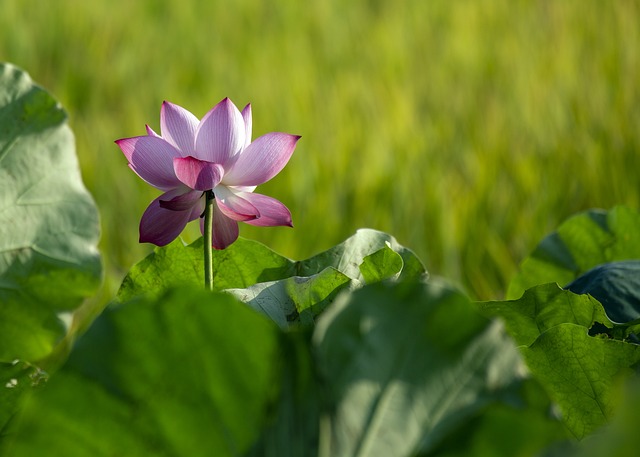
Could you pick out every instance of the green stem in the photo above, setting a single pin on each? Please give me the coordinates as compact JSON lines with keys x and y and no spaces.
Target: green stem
{"x":208,"y":240}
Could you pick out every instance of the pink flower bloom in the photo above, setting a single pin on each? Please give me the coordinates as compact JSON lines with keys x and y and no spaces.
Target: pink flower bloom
{"x":191,"y":157}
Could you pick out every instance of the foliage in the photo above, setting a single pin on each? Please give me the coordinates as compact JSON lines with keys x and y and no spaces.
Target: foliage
{"x":355,"y":351}
{"x":582,"y":242}
{"x":466,"y":129}
{"x":579,"y":371}
{"x":48,"y":221}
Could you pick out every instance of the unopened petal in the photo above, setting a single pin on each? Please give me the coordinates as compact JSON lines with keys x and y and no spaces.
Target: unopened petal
{"x":152,"y":159}
{"x":197,"y":174}
{"x":221,"y":133}
{"x":225,"y":230}
{"x":261,"y":160}
{"x":178,"y":127}
{"x":161,"y":226}
{"x":234,"y":206}
{"x":272,"y":212}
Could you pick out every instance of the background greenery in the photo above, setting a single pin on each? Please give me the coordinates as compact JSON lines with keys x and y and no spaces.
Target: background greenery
{"x":467,"y":129}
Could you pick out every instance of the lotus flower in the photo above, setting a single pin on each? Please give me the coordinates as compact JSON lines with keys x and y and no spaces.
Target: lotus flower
{"x":191,"y":157}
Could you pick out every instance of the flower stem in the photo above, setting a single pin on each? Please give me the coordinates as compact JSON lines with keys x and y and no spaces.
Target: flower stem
{"x":208,"y":240}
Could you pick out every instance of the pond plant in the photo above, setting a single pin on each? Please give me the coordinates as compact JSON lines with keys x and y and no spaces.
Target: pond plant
{"x":355,"y":351}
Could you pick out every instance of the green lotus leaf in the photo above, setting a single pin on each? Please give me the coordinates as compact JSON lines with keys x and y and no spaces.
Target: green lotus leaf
{"x":581,"y":243}
{"x":49,"y":226}
{"x":188,"y":373}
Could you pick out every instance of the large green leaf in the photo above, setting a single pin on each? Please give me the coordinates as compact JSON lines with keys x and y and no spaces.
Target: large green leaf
{"x":350,"y":255}
{"x":543,"y":307}
{"x":405,"y":365}
{"x":295,"y":299}
{"x":394,"y":368}
{"x":293,"y":427}
{"x":578,"y":371}
{"x":248,"y":262}
{"x":620,"y":438}
{"x":383,"y":264}
{"x":242,"y":264}
{"x":190,"y":373}
{"x":286,"y":290}
{"x":507,"y":430}
{"x":48,"y":222}
{"x":579,"y":244}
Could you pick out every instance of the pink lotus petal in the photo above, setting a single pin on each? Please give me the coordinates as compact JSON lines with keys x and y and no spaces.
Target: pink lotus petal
{"x":151,"y":132}
{"x":246,"y":116}
{"x":225,"y":230}
{"x":161,"y":226}
{"x":183,"y":202}
{"x":197,"y":174}
{"x":152,"y":159}
{"x":261,"y":160}
{"x":221,"y":133}
{"x":198,"y":210}
{"x":237,"y":189}
{"x":178,"y":127}
{"x":272,"y":211}
{"x":233,"y":206}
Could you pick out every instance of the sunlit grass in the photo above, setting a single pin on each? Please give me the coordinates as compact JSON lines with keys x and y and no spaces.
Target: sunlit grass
{"x":466,"y":129}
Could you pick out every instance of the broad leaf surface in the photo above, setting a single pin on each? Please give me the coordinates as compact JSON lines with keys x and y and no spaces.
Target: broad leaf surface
{"x":543,"y":307}
{"x":577,"y":370}
{"x":48,"y":222}
{"x":288,"y":291}
{"x":407,"y":365}
{"x":293,"y":427}
{"x":16,"y":379}
{"x":581,"y":373}
{"x":242,"y":264}
{"x":383,"y":264}
{"x":191,"y":373}
{"x":580,"y":243}
{"x":294,"y":299}
{"x":507,"y":429}
{"x":349,"y":255}
{"x":620,"y":438}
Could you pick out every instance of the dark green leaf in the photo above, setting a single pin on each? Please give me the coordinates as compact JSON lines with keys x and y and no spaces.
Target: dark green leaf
{"x":190,"y":373}
{"x":293,"y":429}
{"x":616,"y":285}
{"x":507,"y":430}
{"x":579,"y":244}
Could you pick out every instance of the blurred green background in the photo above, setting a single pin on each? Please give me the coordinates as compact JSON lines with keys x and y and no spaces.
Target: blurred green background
{"x":466,"y":129}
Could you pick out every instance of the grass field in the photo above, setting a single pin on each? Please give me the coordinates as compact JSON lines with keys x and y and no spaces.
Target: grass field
{"x":466,"y":129}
